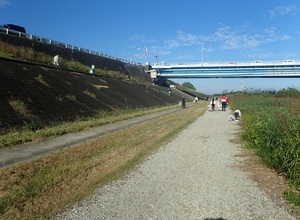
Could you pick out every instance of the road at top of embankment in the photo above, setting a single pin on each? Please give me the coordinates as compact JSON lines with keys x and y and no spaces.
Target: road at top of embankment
{"x":196,"y":175}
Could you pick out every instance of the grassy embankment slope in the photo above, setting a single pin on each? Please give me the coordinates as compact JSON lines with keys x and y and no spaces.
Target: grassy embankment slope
{"x":39,"y":101}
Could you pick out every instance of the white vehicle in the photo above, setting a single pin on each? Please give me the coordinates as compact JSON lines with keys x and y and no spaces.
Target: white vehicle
{"x":289,"y":61}
{"x":257,"y":62}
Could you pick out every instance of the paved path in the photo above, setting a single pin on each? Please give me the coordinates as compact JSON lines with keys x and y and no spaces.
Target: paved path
{"x":30,"y":152}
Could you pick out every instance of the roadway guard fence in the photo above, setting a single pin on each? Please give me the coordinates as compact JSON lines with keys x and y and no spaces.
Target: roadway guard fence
{"x":60,"y":44}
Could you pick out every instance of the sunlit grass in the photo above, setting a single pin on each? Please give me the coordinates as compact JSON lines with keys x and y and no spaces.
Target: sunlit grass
{"x":26,"y":135}
{"x":27,"y":53}
{"x":271,"y":124}
{"x":46,"y":186}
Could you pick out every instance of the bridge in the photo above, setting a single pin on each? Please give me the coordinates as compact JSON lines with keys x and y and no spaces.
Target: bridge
{"x":255,"y":69}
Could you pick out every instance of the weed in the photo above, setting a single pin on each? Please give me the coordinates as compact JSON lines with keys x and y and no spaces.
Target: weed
{"x":31,"y":126}
{"x":19,"y":106}
{"x":271,"y":128}
{"x":74,"y":65}
{"x":292,"y":197}
{"x":110,"y":74}
{"x":100,"y":86}
{"x":89,"y":94}
{"x":59,"y":98}
{"x":41,"y":79}
{"x":71,"y":97}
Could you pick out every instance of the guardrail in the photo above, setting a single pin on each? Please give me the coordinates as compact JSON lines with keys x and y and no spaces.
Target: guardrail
{"x":61,"y":44}
{"x":222,"y":64}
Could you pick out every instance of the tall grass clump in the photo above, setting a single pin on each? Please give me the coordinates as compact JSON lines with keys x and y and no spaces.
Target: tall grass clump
{"x":271,"y":126}
{"x":74,"y":65}
{"x":27,"y":53}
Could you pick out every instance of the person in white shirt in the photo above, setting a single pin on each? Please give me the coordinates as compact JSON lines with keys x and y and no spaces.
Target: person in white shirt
{"x":237,"y":114}
{"x":55,"y":60}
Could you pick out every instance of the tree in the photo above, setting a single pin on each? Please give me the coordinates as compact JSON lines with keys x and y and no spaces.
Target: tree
{"x":188,"y":85}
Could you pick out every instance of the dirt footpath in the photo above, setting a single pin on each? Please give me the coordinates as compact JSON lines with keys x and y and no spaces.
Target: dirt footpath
{"x":203,"y":173}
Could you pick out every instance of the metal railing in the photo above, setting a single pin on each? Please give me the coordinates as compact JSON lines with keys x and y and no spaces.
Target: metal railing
{"x":222,"y":64}
{"x":61,"y":44}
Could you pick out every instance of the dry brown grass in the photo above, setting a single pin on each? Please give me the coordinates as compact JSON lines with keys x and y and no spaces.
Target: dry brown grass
{"x":46,"y":186}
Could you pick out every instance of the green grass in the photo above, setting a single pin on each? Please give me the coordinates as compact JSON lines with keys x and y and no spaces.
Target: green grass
{"x":27,"y":53}
{"x":71,"y":97}
{"x":271,"y":124}
{"x":49,"y":185}
{"x":292,"y":197}
{"x":19,"y":106}
{"x":32,"y":132}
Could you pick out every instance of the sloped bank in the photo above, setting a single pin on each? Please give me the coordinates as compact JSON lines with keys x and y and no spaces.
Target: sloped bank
{"x":43,"y":94}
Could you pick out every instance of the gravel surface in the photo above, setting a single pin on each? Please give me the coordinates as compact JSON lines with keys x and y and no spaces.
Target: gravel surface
{"x":194,"y":176}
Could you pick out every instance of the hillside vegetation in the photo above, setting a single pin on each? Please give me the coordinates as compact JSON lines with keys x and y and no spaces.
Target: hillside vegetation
{"x":8,"y":50}
{"x":271,"y":124}
{"x":38,"y":100}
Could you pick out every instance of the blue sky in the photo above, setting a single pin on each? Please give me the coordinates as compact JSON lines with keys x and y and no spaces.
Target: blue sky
{"x":172,"y":31}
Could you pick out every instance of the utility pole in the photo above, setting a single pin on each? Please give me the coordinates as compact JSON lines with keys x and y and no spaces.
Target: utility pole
{"x":202,"y":54}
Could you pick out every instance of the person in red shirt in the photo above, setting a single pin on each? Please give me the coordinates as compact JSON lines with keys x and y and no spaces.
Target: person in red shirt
{"x":224,"y":100}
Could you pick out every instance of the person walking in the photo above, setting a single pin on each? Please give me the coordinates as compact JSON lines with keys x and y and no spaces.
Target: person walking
{"x":213,"y":104}
{"x":224,"y":101}
{"x":183,"y":102}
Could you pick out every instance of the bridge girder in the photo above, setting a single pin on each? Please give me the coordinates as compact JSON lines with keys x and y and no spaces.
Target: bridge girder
{"x":228,"y":71}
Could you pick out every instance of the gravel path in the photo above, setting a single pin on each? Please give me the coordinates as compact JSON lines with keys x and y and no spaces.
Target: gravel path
{"x":194,"y":176}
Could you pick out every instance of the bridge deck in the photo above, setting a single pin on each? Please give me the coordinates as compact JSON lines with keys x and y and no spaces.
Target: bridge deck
{"x":257,"y":69}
